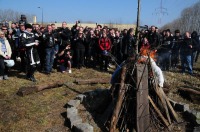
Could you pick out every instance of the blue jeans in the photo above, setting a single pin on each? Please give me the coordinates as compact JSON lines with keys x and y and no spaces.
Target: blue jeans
{"x":49,"y":59}
{"x":186,"y":62}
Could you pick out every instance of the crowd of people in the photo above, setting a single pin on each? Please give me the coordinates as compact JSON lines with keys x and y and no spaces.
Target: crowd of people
{"x":47,"y":48}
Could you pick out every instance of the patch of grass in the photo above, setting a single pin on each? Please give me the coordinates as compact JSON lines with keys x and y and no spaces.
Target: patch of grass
{"x":42,"y":110}
{"x":177,"y":80}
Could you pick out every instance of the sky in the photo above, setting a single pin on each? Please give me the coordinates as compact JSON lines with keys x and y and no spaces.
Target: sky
{"x":100,"y":11}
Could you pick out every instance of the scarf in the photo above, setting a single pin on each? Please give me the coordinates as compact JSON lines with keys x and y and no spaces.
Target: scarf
{"x":3,"y":46}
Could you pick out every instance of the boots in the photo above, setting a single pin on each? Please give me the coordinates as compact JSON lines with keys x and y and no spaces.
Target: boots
{"x":30,"y":73}
{"x":31,"y":78}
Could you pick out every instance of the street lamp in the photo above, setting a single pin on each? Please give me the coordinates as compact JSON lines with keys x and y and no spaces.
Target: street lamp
{"x":42,"y":14}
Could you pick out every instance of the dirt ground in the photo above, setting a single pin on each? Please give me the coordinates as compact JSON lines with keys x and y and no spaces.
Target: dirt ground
{"x":46,"y":111}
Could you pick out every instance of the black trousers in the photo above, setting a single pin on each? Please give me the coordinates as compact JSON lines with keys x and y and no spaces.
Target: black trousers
{"x":23,"y":63}
{"x":31,"y":70}
{"x":104,"y":60}
{"x":80,"y":55}
{"x":3,"y":68}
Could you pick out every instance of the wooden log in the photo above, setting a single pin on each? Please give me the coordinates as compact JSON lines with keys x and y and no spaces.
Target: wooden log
{"x":192,"y":91}
{"x":159,"y":113}
{"x":31,"y":89}
{"x":168,"y":103}
{"x":93,"y":81}
{"x":142,"y":102}
{"x":164,"y":104}
{"x":190,"y":94}
{"x":175,"y":116}
{"x":162,"y":99}
{"x":115,"y":115}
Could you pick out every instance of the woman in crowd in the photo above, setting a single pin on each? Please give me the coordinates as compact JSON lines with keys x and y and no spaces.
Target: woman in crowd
{"x":91,"y":49}
{"x":105,"y":47}
{"x":5,"y":54}
{"x":79,"y":45}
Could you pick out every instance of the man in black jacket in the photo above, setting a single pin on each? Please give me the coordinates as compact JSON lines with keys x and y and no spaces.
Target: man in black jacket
{"x":186,"y":53}
{"x":23,"y":20}
{"x":196,"y":49}
{"x":177,"y":40}
{"x":154,"y":38}
{"x":128,"y":47}
{"x":164,"y":52}
{"x":65,"y":34}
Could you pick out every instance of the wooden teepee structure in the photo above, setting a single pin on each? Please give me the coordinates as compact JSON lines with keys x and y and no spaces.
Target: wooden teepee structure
{"x":139,"y":104}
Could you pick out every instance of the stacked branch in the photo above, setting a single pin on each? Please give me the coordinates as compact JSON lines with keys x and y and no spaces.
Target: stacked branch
{"x":119,"y":103}
{"x":140,"y":105}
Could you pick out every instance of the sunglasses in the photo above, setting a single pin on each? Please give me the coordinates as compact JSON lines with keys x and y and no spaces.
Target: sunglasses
{"x":4,"y":29}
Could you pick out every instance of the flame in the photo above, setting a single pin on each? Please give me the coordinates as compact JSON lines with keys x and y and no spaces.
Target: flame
{"x":145,"y":52}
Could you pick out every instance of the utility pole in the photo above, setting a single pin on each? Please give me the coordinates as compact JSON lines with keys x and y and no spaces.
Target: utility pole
{"x":160,"y":11}
{"x":137,"y":27}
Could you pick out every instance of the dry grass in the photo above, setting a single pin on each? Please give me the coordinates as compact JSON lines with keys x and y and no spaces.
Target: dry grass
{"x":179,"y":80}
{"x":42,"y":111}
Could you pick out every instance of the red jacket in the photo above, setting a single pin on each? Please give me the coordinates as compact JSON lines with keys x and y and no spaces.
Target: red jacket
{"x":104,"y":43}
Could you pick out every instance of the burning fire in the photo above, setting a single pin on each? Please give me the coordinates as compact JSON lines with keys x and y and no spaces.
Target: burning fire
{"x":145,"y":52}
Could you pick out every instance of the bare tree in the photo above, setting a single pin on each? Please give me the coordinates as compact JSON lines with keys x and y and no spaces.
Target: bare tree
{"x":14,"y":16}
{"x":188,"y":21}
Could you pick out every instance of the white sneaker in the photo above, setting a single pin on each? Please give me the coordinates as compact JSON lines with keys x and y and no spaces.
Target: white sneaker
{"x":5,"y":77}
{"x":70,"y":71}
{"x":18,"y":59}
